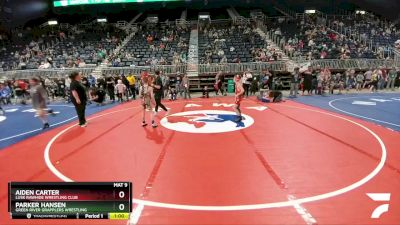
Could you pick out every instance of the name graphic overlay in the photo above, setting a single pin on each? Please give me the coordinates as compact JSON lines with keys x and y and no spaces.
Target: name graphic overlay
{"x":77,"y":200}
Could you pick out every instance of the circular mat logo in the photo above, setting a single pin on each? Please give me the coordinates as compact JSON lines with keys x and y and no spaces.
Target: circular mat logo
{"x":206,"y":121}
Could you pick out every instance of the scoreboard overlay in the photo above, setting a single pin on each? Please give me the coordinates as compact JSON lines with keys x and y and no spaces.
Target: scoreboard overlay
{"x":70,"y":200}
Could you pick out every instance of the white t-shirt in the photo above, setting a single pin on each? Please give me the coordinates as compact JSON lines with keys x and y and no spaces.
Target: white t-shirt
{"x":67,"y":82}
{"x":247,"y":77}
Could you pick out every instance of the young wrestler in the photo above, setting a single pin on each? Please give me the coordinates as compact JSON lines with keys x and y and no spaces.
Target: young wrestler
{"x":39,"y":98}
{"x":147,"y":96}
{"x":239,"y":94}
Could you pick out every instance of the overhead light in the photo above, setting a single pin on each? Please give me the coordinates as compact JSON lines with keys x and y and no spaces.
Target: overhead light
{"x":361,"y":12}
{"x":152,"y":18}
{"x":52,"y":22}
{"x":310,"y":11}
{"x":204,"y":15}
{"x":102,"y":20}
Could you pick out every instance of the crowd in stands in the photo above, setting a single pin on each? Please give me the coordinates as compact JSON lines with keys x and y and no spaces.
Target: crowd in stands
{"x":370,"y":29}
{"x":90,"y":45}
{"x":154,"y":45}
{"x":310,"y":38}
{"x":119,"y":88}
{"x":41,"y":48}
{"x":18,"y":47}
{"x":322,"y":81}
{"x":226,"y":43}
{"x":167,"y":44}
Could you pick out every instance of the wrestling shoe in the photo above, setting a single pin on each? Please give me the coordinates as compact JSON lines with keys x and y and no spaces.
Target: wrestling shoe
{"x":51,"y":112}
{"x":46,"y":125}
{"x":239,"y":119}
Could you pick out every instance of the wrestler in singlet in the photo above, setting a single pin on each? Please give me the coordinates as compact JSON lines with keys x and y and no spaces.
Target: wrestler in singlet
{"x":146,"y":93}
{"x":239,"y":94}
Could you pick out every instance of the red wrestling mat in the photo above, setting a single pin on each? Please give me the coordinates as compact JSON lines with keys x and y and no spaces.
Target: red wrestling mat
{"x":285,"y":163}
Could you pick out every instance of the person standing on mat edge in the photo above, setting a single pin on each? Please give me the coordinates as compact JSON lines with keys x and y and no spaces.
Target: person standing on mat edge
{"x":111,"y":88}
{"x":239,"y":94}
{"x":294,"y":83}
{"x":78,"y":97}
{"x":219,"y":83}
{"x":132,"y":82}
{"x":121,"y":91}
{"x":307,"y":81}
{"x":246,"y":81}
{"x":166,"y":84}
{"x":186,"y":86}
{"x":391,"y":79}
{"x":158,"y":92}
{"x":39,"y":97}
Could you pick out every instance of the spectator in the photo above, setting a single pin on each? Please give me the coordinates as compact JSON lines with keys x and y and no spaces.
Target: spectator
{"x":97,"y":95}
{"x":186,"y":86}
{"x":121,"y":90}
{"x":391,"y":79}
{"x":367,"y":78}
{"x":131,"y":84}
{"x":111,"y":88}
{"x":165,"y":83}
{"x":172,"y":94}
{"x":307,"y":81}
{"x":359,"y":81}
{"x":178,"y":84}
{"x":5,"y":94}
{"x":246,"y":80}
{"x":205,"y":92}
{"x":294,"y":82}
{"x":92,"y":81}
{"x":374,"y":81}
{"x":254,"y":86}
{"x":219,"y":83}
{"x":126,"y":83}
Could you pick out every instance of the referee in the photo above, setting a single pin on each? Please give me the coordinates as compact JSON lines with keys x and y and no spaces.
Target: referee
{"x":158,"y":92}
{"x":78,"y":97}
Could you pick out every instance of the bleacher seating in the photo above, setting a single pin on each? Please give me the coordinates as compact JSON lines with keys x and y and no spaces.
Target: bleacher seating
{"x":219,"y":42}
{"x":18,"y":47}
{"x":370,"y":29}
{"x":60,"y":48}
{"x":312,"y":40}
{"x":238,"y":44}
{"x":168,"y":45}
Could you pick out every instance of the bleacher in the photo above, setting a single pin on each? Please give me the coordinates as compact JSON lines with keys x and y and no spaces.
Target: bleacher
{"x":67,"y":50}
{"x":238,"y":43}
{"x":167,"y":49}
{"x":91,"y":47}
{"x":143,"y":52}
{"x":372,"y":30}
{"x":312,"y":40}
{"x":16,"y":49}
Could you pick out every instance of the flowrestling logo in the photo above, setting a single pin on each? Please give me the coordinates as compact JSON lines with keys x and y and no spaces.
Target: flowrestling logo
{"x":206,"y":121}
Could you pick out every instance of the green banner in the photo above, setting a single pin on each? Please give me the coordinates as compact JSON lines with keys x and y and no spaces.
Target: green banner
{"x":62,"y":3}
